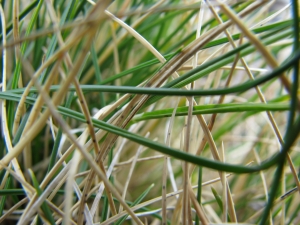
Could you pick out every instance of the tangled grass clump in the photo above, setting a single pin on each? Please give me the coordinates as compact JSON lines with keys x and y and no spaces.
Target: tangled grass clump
{"x":150,"y":112}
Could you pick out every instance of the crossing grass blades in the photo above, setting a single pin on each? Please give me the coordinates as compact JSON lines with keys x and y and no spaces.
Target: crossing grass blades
{"x":149,"y":112}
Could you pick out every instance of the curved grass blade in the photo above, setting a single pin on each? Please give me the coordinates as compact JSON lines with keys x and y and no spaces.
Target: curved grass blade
{"x":177,"y":92}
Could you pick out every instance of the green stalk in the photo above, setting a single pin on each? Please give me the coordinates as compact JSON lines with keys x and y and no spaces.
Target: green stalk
{"x":292,"y":113}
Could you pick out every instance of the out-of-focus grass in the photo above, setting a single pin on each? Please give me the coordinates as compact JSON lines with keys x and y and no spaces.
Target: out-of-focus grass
{"x":190,"y":108}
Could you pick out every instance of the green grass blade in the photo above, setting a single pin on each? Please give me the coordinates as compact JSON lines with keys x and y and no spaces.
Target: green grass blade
{"x":211,"y":109}
{"x":137,"y":201}
{"x":218,"y":198}
{"x":44,"y":206}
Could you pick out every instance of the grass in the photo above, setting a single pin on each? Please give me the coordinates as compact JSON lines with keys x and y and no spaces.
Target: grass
{"x":150,"y":112}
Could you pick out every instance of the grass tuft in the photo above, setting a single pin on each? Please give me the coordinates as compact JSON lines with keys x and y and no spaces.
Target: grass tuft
{"x":149,"y":112}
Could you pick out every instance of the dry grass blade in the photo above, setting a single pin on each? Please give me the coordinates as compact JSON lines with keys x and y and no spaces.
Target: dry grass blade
{"x":255,"y":41}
